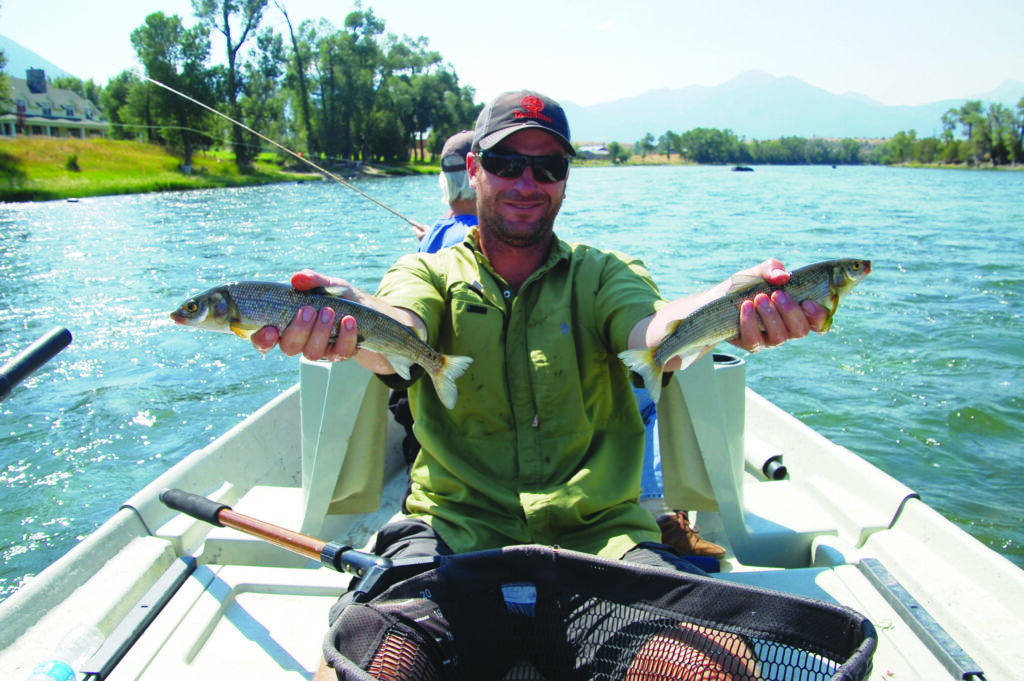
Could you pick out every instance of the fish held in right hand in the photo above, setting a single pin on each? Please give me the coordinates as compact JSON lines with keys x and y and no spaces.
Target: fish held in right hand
{"x":245,"y":307}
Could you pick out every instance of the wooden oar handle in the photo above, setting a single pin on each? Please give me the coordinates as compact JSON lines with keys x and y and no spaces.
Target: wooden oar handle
{"x":222,"y":515}
{"x":286,"y":539}
{"x":367,"y":566}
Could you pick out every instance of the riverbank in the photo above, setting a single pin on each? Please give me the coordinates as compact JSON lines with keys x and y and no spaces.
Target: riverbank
{"x":42,"y":169}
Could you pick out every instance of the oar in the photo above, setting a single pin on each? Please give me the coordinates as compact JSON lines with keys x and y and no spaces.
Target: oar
{"x":368,"y":567}
{"x":31,"y":358}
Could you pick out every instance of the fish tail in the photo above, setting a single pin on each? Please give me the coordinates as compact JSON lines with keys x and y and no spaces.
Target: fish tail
{"x":451,"y":368}
{"x":642,"y":362}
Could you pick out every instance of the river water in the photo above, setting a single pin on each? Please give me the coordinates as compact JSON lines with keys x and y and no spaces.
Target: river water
{"x":920,"y":375}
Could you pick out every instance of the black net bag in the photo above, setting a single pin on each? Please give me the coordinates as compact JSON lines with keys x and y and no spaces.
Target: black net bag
{"x":531,"y":612}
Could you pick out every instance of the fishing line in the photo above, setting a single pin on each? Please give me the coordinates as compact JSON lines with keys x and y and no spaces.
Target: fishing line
{"x":283,"y":148}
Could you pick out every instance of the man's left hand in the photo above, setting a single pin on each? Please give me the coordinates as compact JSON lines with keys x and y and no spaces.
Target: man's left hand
{"x":782,"y":318}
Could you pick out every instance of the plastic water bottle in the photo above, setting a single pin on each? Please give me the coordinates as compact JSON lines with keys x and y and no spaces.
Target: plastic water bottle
{"x":76,"y":647}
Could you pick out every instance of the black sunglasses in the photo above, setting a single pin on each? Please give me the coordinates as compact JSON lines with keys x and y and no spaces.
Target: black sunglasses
{"x":507,"y":165}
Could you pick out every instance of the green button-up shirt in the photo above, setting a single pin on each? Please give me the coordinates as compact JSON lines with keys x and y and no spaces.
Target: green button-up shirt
{"x":545,"y":443}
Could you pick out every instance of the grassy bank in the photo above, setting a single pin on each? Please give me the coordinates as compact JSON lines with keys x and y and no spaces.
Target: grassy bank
{"x":41,"y":168}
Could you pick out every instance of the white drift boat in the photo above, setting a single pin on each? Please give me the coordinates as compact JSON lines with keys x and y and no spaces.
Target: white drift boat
{"x":180,"y":599}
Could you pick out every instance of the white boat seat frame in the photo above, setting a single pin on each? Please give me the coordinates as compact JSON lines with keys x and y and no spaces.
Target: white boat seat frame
{"x":770,"y":523}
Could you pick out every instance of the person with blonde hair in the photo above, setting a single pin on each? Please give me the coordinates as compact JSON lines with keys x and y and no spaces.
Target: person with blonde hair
{"x":456,"y":193}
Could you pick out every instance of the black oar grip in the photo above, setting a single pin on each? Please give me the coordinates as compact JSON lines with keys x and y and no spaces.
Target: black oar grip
{"x":194,"y":505}
{"x":31,"y":358}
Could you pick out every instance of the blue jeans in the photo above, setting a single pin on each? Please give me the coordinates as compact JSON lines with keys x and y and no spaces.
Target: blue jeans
{"x":651,"y":483}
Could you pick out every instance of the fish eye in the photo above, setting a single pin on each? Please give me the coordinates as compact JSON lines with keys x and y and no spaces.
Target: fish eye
{"x":857,"y":265}
{"x":191,"y":306}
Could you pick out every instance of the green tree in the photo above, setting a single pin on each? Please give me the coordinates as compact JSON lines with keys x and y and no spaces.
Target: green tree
{"x":970,"y":117}
{"x":949,"y":123}
{"x":902,"y":146}
{"x":818,"y":152}
{"x":5,"y":83}
{"x":379,"y":96}
{"x":996,"y":133}
{"x":710,"y":145}
{"x":927,"y":150}
{"x":11,"y":171}
{"x":617,"y":153}
{"x":454,"y":108}
{"x":84,"y":88}
{"x":297,"y":76}
{"x":897,"y":149}
{"x":1017,"y":148}
{"x":849,"y":152}
{"x":645,"y":146}
{"x":263,"y":105}
{"x":177,"y":57}
{"x":114,"y":102}
{"x":951,"y":152}
{"x":668,"y":144}
{"x":237,"y":21}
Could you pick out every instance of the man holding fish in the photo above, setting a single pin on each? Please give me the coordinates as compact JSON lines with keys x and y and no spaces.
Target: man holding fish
{"x":542,"y":443}
{"x":538,"y":447}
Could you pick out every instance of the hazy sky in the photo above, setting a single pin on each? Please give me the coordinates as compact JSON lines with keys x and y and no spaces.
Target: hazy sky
{"x":588,"y":51}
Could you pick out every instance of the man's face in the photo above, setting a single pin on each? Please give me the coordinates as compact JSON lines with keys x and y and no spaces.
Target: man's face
{"x":521,"y":211}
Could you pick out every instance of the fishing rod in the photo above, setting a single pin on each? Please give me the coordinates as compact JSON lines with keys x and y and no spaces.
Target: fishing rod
{"x":285,"y":149}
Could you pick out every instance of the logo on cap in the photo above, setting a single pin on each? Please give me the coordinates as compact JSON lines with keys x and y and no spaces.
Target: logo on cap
{"x":532,"y":108}
{"x":532,"y":104}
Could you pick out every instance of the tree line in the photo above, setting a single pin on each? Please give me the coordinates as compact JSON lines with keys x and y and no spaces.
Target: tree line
{"x":971,"y":134}
{"x":360,"y":93}
{"x":354,"y":92}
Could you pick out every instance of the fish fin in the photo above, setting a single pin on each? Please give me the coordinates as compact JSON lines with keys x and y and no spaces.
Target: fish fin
{"x":444,"y":380}
{"x":642,"y":362}
{"x":831,"y":304}
{"x":828,"y":320}
{"x":401,"y":365}
{"x":242,"y":331}
{"x":741,"y":282}
{"x":335,"y":291}
{"x":691,"y":355}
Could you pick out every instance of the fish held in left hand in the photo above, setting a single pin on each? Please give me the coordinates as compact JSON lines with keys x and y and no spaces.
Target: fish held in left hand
{"x":245,"y":307}
{"x":824,"y":283}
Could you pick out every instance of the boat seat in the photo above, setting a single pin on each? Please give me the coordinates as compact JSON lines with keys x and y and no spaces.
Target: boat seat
{"x":771,"y":524}
{"x":344,"y":435}
{"x":350,"y":478}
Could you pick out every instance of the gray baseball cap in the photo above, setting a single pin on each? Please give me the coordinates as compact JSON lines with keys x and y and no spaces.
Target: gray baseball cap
{"x":511,"y":112}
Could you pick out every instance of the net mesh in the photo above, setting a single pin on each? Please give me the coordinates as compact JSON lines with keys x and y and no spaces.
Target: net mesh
{"x":533,"y":613}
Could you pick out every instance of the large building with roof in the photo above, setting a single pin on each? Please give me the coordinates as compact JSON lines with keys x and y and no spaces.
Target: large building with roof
{"x":35,"y":107}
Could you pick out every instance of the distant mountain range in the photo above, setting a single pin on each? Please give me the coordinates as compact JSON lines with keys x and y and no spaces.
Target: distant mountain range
{"x":758,"y":105}
{"x":754,"y":105}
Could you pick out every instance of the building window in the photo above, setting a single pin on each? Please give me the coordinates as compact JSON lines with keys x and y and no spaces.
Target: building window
{"x":22,"y":106}
{"x":69,"y":110}
{"x":47,"y":109}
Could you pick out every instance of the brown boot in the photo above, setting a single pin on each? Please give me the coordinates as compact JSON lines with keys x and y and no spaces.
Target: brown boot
{"x":677,"y":533}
